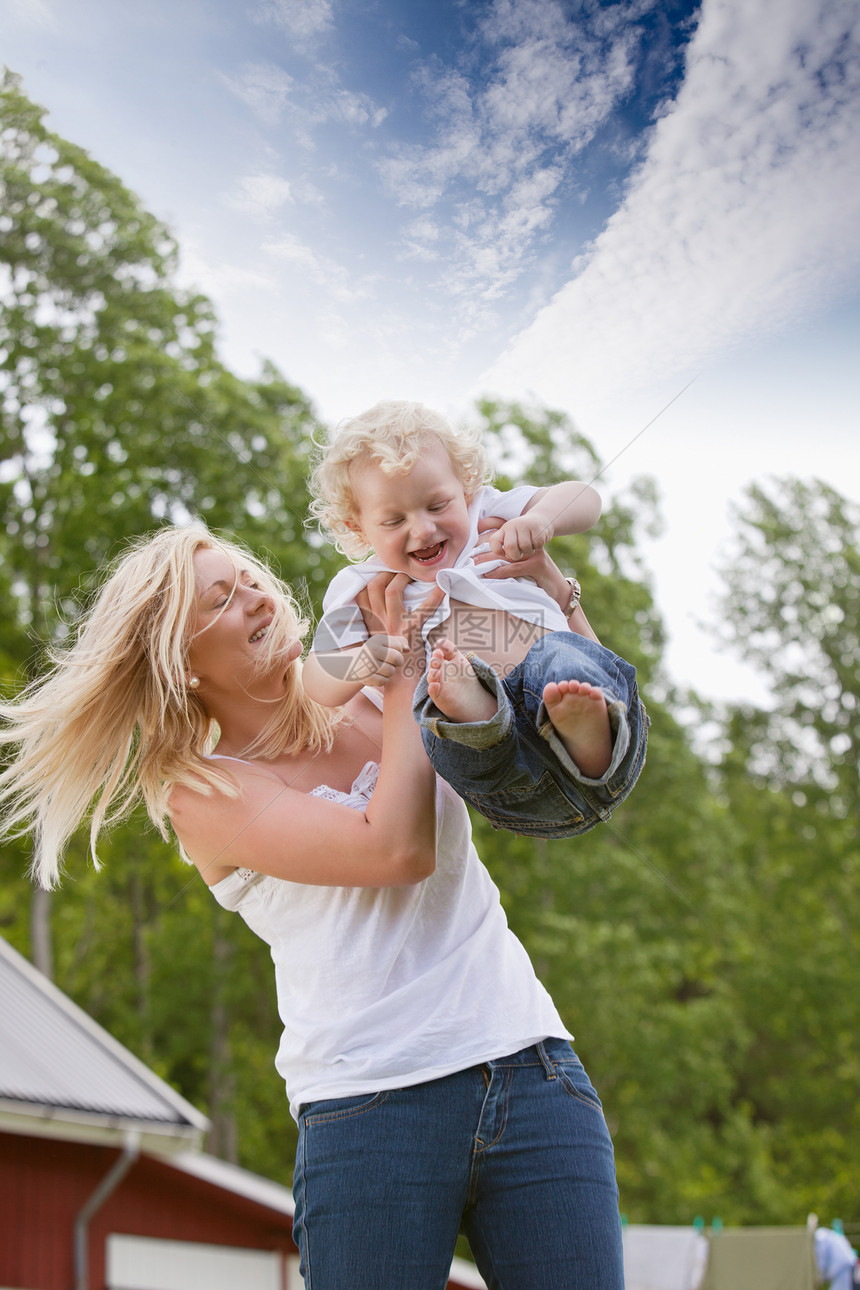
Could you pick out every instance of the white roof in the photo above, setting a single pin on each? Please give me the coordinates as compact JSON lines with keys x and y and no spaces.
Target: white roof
{"x":59,"y":1068}
{"x":233,"y":1179}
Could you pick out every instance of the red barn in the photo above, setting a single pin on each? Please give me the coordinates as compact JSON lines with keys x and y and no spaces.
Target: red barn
{"x":102,"y":1182}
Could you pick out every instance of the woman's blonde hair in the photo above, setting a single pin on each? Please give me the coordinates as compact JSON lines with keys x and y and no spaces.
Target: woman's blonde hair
{"x":114,"y":722}
{"x":391,"y":434}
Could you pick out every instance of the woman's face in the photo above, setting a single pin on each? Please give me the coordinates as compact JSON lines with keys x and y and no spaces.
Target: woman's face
{"x":234,"y":616}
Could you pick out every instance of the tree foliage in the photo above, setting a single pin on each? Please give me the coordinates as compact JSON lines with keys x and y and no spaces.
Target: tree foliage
{"x":793,"y":607}
{"x":116,"y":415}
{"x":790,"y":779}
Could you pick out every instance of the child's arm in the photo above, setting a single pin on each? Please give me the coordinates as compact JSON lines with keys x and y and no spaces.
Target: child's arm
{"x":333,"y":677}
{"x":571,"y":507}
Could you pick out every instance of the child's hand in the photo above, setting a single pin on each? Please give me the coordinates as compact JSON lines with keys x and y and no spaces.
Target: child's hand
{"x":539,"y":567}
{"x":519,"y":538}
{"x":374,"y":662}
{"x":377,"y":660}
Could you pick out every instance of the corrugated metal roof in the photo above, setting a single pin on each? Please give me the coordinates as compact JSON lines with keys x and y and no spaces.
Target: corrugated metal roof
{"x":53,"y":1056}
{"x":232,"y":1178}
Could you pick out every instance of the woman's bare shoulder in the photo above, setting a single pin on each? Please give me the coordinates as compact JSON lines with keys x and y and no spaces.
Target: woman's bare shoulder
{"x":208,"y":819}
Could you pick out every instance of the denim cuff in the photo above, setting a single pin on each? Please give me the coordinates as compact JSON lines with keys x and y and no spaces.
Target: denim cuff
{"x":474,"y":734}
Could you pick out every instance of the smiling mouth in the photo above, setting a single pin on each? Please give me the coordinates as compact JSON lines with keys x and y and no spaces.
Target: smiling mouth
{"x":258,"y":635}
{"x":429,"y":554}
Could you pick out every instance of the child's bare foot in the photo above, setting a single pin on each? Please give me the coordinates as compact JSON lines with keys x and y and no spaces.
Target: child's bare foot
{"x":454,"y":687}
{"x":580,"y":718}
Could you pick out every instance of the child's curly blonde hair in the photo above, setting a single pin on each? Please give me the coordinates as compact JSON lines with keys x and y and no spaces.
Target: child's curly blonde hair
{"x":391,"y":434}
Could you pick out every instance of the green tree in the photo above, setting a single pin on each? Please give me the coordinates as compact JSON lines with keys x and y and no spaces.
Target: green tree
{"x":117,"y":415}
{"x":792,"y":606}
{"x":790,"y":777}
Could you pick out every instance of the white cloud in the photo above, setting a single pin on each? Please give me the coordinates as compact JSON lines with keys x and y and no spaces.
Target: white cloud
{"x":337,"y":281}
{"x":554,"y":76}
{"x":199,"y":268}
{"x":33,"y":13}
{"x":306,"y":192}
{"x":292,"y":250}
{"x":419,"y":240}
{"x":265,"y":88}
{"x":346,"y":106}
{"x":269,"y":92}
{"x":503,"y":145}
{"x":302,"y":19}
{"x":743,"y":216}
{"x":261,"y":194}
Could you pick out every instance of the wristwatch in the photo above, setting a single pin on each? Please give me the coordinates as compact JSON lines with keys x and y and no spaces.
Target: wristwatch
{"x":575,"y":596}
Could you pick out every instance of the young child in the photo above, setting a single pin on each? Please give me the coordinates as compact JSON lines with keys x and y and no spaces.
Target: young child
{"x":539,"y":728}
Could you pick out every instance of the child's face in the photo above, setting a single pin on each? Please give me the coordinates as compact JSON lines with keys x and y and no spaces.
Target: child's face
{"x":417,"y":523}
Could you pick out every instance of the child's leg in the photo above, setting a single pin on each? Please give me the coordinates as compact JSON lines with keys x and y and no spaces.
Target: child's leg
{"x":453,"y":685}
{"x":576,"y":709}
{"x":557,"y":711}
{"x":513,"y":766}
{"x":580,"y":718}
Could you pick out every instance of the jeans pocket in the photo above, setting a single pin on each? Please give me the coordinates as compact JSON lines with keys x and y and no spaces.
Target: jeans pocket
{"x":330,"y":1110}
{"x":576,"y":1083}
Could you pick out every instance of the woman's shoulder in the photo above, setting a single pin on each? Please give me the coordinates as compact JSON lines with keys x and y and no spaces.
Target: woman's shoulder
{"x":215,"y":775}
{"x":210,"y":803}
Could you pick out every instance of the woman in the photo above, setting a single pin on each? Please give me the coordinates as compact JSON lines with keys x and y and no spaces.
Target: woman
{"x":430,"y":1074}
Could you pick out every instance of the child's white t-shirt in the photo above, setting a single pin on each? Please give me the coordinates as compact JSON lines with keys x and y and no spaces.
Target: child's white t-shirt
{"x":342,"y":624}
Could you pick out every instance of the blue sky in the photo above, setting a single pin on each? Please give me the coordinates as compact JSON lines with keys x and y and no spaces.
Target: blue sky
{"x":583,"y":204}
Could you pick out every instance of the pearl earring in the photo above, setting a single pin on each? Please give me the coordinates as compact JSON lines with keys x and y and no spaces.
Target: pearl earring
{"x":193,"y":682}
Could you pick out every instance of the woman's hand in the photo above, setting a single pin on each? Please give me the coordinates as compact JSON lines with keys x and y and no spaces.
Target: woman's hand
{"x":386,"y":617}
{"x":541,"y":569}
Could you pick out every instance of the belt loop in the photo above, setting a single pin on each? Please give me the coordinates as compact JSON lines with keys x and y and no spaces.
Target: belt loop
{"x":545,"y":1061}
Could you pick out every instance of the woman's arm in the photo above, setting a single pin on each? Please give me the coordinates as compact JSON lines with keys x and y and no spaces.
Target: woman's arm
{"x":577,"y":622}
{"x":275,"y":829}
{"x":546,"y":573}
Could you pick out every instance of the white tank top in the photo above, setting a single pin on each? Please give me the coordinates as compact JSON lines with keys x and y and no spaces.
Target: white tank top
{"x":383,"y":987}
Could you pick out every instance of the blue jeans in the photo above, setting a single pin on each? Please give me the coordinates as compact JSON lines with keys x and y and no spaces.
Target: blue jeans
{"x":513,"y":768}
{"x":515,"y":1150}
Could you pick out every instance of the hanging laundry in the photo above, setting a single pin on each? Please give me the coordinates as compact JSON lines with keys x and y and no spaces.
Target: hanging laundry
{"x":761,"y":1258}
{"x":663,"y":1258}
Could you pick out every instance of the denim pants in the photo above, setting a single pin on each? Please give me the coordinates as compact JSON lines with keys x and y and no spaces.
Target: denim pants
{"x":513,"y":768}
{"x":515,"y":1150}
